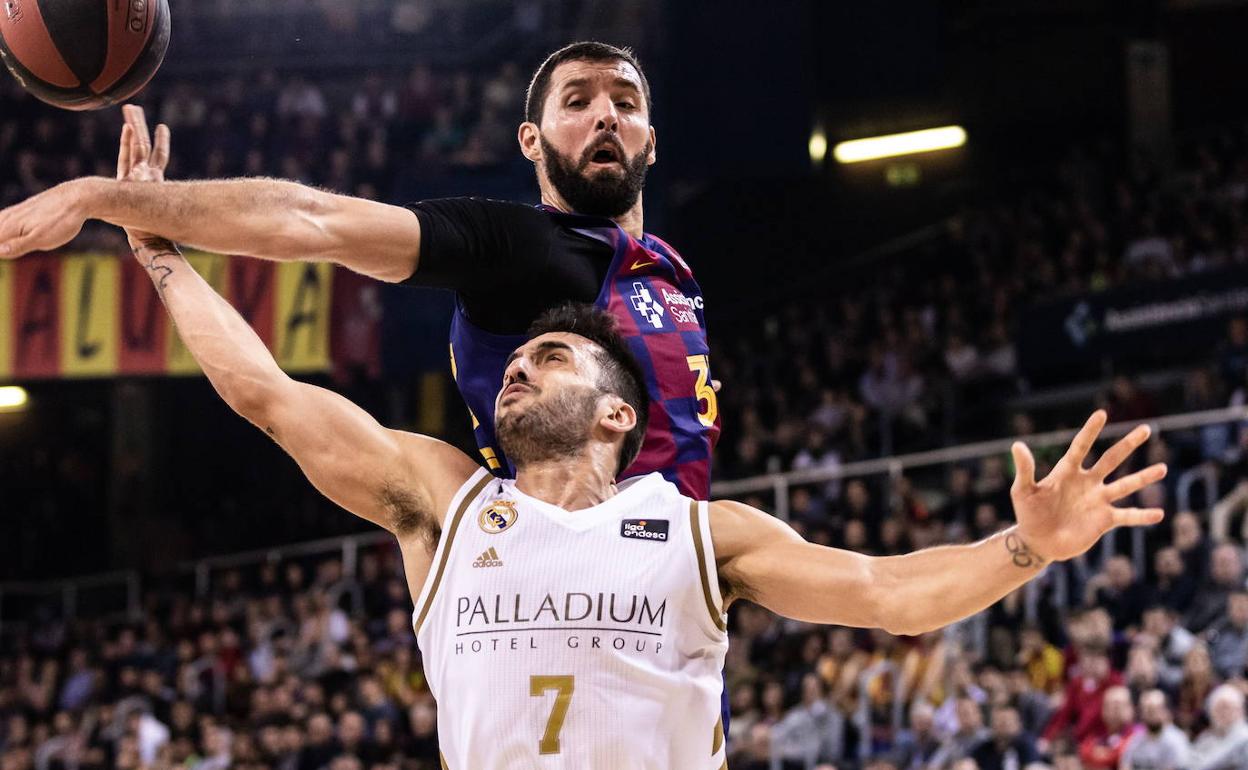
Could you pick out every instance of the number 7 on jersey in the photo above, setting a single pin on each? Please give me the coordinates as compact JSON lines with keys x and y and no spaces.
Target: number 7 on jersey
{"x":563,"y":686}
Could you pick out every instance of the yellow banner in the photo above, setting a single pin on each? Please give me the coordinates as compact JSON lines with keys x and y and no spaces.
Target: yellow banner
{"x":214,"y":269}
{"x":89,"y":330}
{"x":301,"y":323}
{"x":96,"y":315}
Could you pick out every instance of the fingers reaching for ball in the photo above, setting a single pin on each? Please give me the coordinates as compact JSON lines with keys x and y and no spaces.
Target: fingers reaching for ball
{"x":160,"y":150}
{"x":123,"y":152}
{"x":140,"y":158}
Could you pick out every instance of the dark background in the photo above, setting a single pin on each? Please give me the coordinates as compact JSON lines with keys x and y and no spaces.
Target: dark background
{"x":738,"y":89}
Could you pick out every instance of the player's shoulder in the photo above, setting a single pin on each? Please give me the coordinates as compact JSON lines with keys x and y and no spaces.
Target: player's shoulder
{"x":480,"y":206}
{"x":448,"y":473}
{"x":651,"y":485}
{"x":737,"y":527}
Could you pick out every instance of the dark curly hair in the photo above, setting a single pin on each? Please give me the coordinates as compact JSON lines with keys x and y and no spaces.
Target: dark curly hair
{"x":621,"y":375}
{"x":593,"y":51}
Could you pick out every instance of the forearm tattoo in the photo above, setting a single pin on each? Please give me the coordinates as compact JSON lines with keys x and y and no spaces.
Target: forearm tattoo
{"x":1020,"y":553}
{"x":151,"y":253}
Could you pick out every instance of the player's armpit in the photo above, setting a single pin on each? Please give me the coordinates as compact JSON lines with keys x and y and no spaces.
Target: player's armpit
{"x":762,"y":559}
{"x":400,"y":481}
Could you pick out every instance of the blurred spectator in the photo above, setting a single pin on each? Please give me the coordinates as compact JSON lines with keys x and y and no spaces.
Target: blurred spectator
{"x":1233,"y":353}
{"x":916,"y":746}
{"x":301,"y":98}
{"x":1228,"y":638}
{"x":1173,"y":586}
{"x":1226,"y":575}
{"x":1117,"y":589}
{"x":1160,"y":745}
{"x":1127,"y":403}
{"x":970,"y":733}
{"x":1224,"y":746}
{"x":1008,"y":747}
{"x":811,"y":731}
{"x":1172,"y":640}
{"x":1102,"y":748}
{"x":1043,"y":663}
{"x":1193,"y":545}
{"x":1199,"y":679}
{"x":1080,"y":715}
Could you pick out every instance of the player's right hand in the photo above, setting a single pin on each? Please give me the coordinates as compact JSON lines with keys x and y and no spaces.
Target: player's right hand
{"x":1067,"y":512}
{"x":47,"y":221}
{"x":139,"y":159}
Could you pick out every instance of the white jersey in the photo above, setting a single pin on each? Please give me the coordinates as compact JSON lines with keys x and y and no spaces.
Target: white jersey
{"x":585,"y":640}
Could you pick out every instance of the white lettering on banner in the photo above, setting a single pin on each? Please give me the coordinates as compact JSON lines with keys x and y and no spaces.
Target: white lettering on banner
{"x":1177,"y":311}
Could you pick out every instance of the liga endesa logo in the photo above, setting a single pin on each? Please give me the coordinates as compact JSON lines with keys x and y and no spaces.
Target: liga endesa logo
{"x":644,"y":529}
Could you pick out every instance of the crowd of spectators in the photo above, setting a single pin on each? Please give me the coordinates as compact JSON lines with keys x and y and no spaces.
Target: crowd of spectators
{"x":919,"y":353}
{"x":1141,"y":671}
{"x":1132,"y":669}
{"x":269,"y":671}
{"x":358,"y":137}
{"x":298,"y":665}
{"x":923,"y":351}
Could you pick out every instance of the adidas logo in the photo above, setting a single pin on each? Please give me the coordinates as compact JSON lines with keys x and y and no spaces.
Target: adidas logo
{"x":488,"y":559}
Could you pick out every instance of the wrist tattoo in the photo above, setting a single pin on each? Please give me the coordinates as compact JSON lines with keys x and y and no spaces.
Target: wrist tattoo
{"x":1021,"y":555}
{"x":153,"y":251}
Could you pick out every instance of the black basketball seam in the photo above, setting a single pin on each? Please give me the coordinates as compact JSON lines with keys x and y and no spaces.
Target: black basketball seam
{"x":84,"y":52}
{"x":161,"y":30}
{"x":38,"y":86}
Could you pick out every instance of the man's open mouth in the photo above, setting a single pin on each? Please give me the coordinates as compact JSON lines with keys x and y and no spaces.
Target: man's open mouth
{"x":605,"y":154}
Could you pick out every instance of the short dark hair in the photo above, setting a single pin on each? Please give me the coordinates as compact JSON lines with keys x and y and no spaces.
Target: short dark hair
{"x":588,"y":50}
{"x":621,"y":374}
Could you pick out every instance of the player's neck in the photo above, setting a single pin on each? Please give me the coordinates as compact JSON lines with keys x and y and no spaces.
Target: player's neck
{"x":572,"y":483}
{"x":631,"y":221}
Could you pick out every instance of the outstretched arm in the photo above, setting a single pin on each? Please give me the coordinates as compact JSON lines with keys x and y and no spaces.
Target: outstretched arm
{"x":1062,"y":516}
{"x":265,"y":218}
{"x":400,"y":481}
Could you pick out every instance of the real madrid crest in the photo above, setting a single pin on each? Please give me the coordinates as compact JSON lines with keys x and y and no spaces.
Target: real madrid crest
{"x":497,"y":516}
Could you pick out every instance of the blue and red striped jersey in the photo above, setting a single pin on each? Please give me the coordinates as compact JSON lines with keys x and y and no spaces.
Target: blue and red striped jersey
{"x":658,"y":307}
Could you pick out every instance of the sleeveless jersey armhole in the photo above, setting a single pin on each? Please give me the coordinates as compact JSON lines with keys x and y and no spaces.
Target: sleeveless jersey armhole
{"x":708,"y":574}
{"x":470,"y":491}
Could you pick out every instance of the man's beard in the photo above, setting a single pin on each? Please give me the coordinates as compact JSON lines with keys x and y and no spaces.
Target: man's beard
{"x":548,"y":429}
{"x":605,"y":194}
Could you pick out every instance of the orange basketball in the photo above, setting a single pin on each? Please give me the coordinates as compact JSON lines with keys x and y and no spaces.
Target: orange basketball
{"x":83,"y":54}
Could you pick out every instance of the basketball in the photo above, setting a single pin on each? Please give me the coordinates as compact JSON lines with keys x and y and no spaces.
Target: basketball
{"x":83,"y":54}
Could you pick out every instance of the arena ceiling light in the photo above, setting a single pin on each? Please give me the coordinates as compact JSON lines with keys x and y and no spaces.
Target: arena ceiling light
{"x":892,"y":145}
{"x":817,"y":146}
{"x":13,"y":398}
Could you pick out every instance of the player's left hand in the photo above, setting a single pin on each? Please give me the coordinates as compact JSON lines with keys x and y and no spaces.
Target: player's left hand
{"x":139,"y":159}
{"x":1068,"y":511}
{"x":43,"y":222}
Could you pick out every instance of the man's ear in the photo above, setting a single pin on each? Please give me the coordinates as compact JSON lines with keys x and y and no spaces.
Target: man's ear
{"x":654,"y":148}
{"x":621,"y":418}
{"x":530,"y":137}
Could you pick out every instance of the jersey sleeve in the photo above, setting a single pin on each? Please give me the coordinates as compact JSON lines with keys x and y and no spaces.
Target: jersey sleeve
{"x":478,"y":246}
